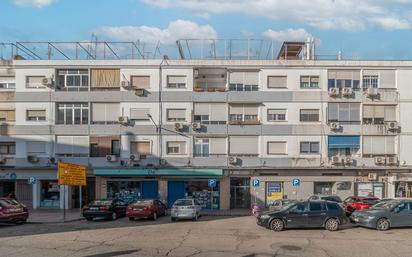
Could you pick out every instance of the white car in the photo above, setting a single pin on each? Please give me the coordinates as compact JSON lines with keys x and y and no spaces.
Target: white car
{"x":185,"y":209}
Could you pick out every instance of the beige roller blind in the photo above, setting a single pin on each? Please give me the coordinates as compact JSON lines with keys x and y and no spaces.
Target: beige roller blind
{"x":390,"y":113}
{"x":201,"y":109}
{"x":251,"y":109}
{"x":277,"y":81}
{"x":103,"y":112}
{"x":64,"y":144}
{"x":390,"y":145}
{"x":7,"y":115}
{"x":36,"y":113}
{"x":371,"y":73}
{"x":176,"y":79}
{"x":368,"y":111}
{"x":251,"y":78}
{"x":140,"y":147}
{"x":379,"y":111}
{"x":244,"y":145}
{"x":99,"y":112}
{"x":276,"y":111}
{"x":176,"y":113}
{"x":387,"y":79}
{"x":35,"y":79}
{"x":112,"y":111}
{"x":218,"y":112}
{"x":276,"y":147}
{"x":236,"y":109}
{"x":81,"y":144}
{"x":72,"y":145}
{"x":331,"y":74}
{"x":139,"y":114}
{"x":105,"y":78}
{"x":140,"y":81}
{"x":344,"y":74}
{"x":236,"y":77}
{"x":35,"y":147}
{"x":218,"y":145}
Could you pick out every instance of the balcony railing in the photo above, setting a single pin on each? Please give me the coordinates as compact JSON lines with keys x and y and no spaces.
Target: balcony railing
{"x":244,"y":122}
{"x":205,"y":86}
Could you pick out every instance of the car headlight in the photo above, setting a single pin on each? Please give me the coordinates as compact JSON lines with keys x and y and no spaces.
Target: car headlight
{"x":369,"y":217}
{"x":264,"y":216}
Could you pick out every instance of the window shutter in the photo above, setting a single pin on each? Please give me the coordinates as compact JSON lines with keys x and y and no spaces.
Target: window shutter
{"x":244,"y":145}
{"x":112,"y":111}
{"x":218,"y":145}
{"x":176,"y":114}
{"x":379,"y":111}
{"x":236,"y":109}
{"x":236,"y":78}
{"x":251,"y":78}
{"x":64,"y":144}
{"x":251,"y":109}
{"x":390,"y":145}
{"x":277,"y":81}
{"x":140,"y":81}
{"x":35,"y":147}
{"x":105,"y":78}
{"x":387,"y":79}
{"x":390,"y":113}
{"x":201,"y":109}
{"x":36,"y":113}
{"x":142,"y":148}
{"x":276,"y":147}
{"x":176,"y":79}
{"x":277,"y":111}
{"x":368,"y":111}
{"x":333,"y":112}
{"x":139,"y":114}
{"x":8,"y":115}
{"x":99,"y":112}
{"x":218,"y":112}
{"x":81,"y":144}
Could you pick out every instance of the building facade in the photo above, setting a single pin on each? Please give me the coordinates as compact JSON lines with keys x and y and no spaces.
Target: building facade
{"x":163,"y":129}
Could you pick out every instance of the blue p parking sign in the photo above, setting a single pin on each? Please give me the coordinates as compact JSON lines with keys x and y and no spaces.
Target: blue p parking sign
{"x":212,"y":182}
{"x":296,"y":182}
{"x":256,"y":182}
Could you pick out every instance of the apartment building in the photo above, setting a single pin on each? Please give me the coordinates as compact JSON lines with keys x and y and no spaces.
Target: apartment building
{"x":162,"y":129}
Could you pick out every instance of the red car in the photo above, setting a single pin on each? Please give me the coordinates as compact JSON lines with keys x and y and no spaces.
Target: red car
{"x":355,"y":203}
{"x":145,"y":208}
{"x":11,"y":211}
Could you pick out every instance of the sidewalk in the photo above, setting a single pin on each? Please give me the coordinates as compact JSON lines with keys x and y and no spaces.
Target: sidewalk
{"x":53,"y":216}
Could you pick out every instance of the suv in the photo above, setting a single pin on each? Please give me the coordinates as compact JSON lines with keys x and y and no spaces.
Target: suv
{"x":305,"y":214}
{"x":185,"y":209}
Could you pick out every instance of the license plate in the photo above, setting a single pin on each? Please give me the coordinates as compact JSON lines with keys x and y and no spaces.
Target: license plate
{"x":94,"y":208}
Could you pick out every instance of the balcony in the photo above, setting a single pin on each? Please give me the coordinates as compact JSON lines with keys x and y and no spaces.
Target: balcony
{"x":244,"y":122}
{"x":208,"y":86}
{"x":379,"y":95}
{"x":210,"y":80}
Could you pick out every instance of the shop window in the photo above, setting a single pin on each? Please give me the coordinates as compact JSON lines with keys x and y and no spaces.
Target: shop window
{"x":239,"y":193}
{"x":200,"y":191}
{"x":323,"y":188}
{"x":125,"y":190}
{"x":49,"y":194}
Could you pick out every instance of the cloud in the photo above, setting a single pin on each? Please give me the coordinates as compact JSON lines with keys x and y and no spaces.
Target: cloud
{"x":350,"y":15}
{"x":32,"y":3}
{"x":287,"y":35}
{"x":178,"y":29}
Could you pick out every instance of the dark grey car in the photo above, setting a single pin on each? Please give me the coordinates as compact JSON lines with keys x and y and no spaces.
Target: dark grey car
{"x":392,"y":213}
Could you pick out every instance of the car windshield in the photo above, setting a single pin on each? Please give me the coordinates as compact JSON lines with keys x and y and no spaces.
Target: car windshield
{"x":143,"y":202}
{"x":385,"y":205}
{"x":370,"y":200}
{"x":102,"y":202}
{"x":183,"y":202}
{"x":7,"y":202}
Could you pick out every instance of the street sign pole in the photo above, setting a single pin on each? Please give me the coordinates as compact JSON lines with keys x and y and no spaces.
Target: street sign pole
{"x":80,"y":199}
{"x":211,"y":199}
{"x":64,"y":203}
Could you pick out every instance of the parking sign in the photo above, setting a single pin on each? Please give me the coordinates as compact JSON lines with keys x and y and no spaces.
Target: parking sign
{"x":212,"y":182}
{"x":296,"y":182}
{"x":31,"y":180}
{"x":255,"y":182}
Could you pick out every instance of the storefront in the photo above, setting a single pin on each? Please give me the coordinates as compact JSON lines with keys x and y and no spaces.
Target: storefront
{"x":274,"y":191}
{"x":7,"y":187}
{"x":370,"y":189}
{"x":240,"y":193}
{"x":49,"y":194}
{"x":130,"y":189}
{"x":208,"y":197}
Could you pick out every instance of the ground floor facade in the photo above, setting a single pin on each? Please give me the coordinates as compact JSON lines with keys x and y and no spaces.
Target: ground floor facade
{"x":215,"y":189}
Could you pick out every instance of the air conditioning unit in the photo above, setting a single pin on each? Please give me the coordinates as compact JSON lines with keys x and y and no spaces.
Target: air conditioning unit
{"x":348,"y":160}
{"x":393,"y":125}
{"x":124,"y":120}
{"x":48,"y":82}
{"x":52,"y":160}
{"x":380,"y":160}
{"x":179,"y":126}
{"x":392,"y":160}
{"x":134,"y":157}
{"x":232,"y":160}
{"x":335,"y":160}
{"x":333,"y":91}
{"x":111,"y":158}
{"x":347,"y":91}
{"x":196,"y":126}
{"x":139,"y":91}
{"x":3,"y":159}
{"x":125,"y":84}
{"x":334,"y":126}
{"x":372,"y":176}
{"x":371,"y":92}
{"x":32,"y":158}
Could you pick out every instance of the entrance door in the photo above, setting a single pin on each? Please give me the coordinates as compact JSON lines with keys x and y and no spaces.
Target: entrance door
{"x":149,"y":189}
{"x":175,"y":190}
{"x":7,"y":187}
{"x":240,"y":193}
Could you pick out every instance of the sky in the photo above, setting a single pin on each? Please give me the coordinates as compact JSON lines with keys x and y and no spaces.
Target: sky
{"x":361,"y":29}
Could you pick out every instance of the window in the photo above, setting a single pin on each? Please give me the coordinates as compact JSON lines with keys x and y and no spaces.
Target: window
{"x":94,"y":150}
{"x":7,"y":148}
{"x":309,"y":115}
{"x":343,"y":145}
{"x":105,"y":79}
{"x":344,"y":112}
{"x":298,"y":208}
{"x":316,"y":206}
{"x":140,"y":82}
{"x":176,"y":148}
{"x":34,"y":81}
{"x":137,"y":114}
{"x":105,"y":113}
{"x":244,"y":113}
{"x":36,"y":115}
{"x":8,"y":115}
{"x":73,"y":79}
{"x":176,"y":81}
{"x":72,"y":113}
{"x":201,"y":147}
{"x":370,"y":81}
{"x":309,"y":81}
{"x":378,"y":145}
{"x":244,"y":81}
{"x":277,"y":81}
{"x":72,"y":146}
{"x":276,"y":148}
{"x":323,"y":188}
{"x":115,"y":148}
{"x":276,"y":114}
{"x":244,"y":145}
{"x":332,"y":206}
{"x":309,"y":147}
{"x":141,"y":148}
{"x":7,"y":83}
{"x":343,"y":78}
{"x":35,"y":147}
{"x":100,"y":146}
{"x":176,"y":114}
{"x":206,"y":113}
{"x":378,"y":114}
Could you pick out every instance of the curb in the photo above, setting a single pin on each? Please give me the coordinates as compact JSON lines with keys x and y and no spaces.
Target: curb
{"x":54,"y":222}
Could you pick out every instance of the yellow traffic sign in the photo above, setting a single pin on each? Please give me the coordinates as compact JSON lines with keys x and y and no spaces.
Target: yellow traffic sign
{"x":72,"y":174}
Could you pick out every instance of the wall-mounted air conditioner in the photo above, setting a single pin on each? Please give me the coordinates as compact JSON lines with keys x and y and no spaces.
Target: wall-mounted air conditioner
{"x":111,"y":158}
{"x":334,"y":92}
{"x":196,"y":126}
{"x":380,"y":160}
{"x":48,"y":82}
{"x":179,"y":126}
{"x":347,"y":91}
{"x":32,"y":158}
{"x":335,"y":160}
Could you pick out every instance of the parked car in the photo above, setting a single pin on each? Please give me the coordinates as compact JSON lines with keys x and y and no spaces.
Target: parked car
{"x":185,"y":209}
{"x":11,"y":211}
{"x":381,"y":202}
{"x":105,"y":208}
{"x":278,"y":204}
{"x":304,"y":214}
{"x":332,"y":198}
{"x":145,"y":208}
{"x":354,"y":203}
{"x":393,"y":213}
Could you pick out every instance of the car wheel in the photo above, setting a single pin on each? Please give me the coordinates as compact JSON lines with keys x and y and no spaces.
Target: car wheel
{"x":196,"y":218}
{"x":114,"y":216}
{"x":173,"y":219}
{"x":383,"y":224}
{"x":332,"y":224}
{"x":131,"y":218}
{"x":277,"y":225}
{"x":155,"y":216}
{"x":20,"y":222}
{"x":89,"y":219}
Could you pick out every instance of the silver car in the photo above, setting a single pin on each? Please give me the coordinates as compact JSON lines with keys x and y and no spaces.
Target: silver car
{"x":185,"y":209}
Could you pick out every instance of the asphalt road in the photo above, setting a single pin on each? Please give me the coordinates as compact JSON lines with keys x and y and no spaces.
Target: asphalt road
{"x":208,"y":237}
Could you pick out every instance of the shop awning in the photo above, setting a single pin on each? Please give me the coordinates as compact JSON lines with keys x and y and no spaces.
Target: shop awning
{"x":159,"y":172}
{"x":343,"y":142}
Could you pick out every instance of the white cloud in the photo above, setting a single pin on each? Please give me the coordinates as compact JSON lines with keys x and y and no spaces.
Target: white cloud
{"x":179,"y":29}
{"x":351,"y":15}
{"x":32,"y":3}
{"x":287,"y":35}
